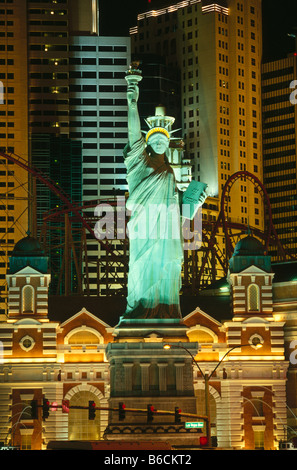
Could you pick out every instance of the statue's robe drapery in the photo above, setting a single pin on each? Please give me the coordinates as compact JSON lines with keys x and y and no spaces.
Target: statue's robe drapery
{"x":155,"y":242}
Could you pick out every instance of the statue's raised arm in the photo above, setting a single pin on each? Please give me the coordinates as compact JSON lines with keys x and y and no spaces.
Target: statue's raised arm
{"x":133,"y":77}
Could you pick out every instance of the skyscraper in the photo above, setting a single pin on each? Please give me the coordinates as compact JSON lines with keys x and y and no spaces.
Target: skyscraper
{"x":279,"y":147}
{"x":98,"y":118}
{"x":63,"y":82}
{"x":14,"y":191}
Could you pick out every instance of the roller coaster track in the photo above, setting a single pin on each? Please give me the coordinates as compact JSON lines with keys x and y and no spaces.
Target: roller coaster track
{"x":76,"y":213}
{"x":268,"y":236}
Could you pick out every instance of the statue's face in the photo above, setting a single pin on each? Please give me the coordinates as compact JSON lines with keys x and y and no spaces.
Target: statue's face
{"x":158,"y":142}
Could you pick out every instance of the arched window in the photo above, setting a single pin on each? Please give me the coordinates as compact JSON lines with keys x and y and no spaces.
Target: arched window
{"x":253,"y":298}
{"x":84,"y":337}
{"x":28,"y":299}
{"x":79,"y":426}
{"x":202,"y":335}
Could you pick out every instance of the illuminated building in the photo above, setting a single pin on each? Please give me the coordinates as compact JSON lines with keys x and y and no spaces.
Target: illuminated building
{"x":14,"y":191}
{"x":47,"y":353}
{"x":98,"y":118}
{"x":279,"y":160}
{"x":279,"y":147}
{"x":52,"y":350}
{"x":248,"y":393}
{"x":60,"y":158}
{"x":77,"y":91}
{"x":68,"y":81}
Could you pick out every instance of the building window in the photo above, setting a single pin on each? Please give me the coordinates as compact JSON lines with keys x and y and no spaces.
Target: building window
{"x":26,"y":442}
{"x":84,"y":336}
{"x":27,"y":299}
{"x":257,"y":401}
{"x":259,"y":440}
{"x":27,"y":343}
{"x":253,"y":298}
{"x":87,"y":430}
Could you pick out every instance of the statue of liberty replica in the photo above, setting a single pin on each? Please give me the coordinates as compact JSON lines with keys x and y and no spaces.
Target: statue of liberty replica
{"x":156,"y":244}
{"x":142,"y":371}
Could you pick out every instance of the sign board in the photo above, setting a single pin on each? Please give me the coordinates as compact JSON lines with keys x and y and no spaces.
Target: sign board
{"x":194,"y":425}
{"x":9,"y":448}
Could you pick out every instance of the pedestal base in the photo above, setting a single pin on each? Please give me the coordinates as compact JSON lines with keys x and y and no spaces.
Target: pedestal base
{"x":156,"y":329}
{"x":144,"y":373}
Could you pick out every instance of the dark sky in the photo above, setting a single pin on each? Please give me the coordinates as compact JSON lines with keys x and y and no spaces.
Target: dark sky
{"x":279,"y":19}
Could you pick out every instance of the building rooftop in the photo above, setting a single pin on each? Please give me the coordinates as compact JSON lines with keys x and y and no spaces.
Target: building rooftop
{"x":28,"y":246}
{"x":249,"y":246}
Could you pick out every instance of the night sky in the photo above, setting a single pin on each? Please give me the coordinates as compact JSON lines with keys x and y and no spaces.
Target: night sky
{"x":279,"y":19}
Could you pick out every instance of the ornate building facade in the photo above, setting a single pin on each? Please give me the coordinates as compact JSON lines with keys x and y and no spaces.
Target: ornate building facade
{"x":65,"y":359}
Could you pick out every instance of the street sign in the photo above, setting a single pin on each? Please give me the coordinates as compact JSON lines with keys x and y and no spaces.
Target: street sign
{"x":194,"y":425}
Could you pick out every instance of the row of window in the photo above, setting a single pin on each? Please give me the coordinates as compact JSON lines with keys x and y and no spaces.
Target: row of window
{"x":280,"y":178}
{"x":283,"y":209}
{"x":79,"y":102}
{"x":74,"y":89}
{"x":78,"y":60}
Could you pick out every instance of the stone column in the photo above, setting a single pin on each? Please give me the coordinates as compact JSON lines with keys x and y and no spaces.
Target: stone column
{"x":162,"y":377}
{"x":128,"y":376}
{"x":145,"y":378}
{"x":179,"y":376}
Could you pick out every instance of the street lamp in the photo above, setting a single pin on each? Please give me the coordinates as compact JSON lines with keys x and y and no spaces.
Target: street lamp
{"x":256,"y":343}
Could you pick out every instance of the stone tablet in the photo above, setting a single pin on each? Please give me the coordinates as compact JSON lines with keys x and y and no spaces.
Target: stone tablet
{"x":193,"y":197}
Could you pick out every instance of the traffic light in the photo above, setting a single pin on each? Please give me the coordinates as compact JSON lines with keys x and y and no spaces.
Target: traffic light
{"x":34,"y":409}
{"x":203,"y":441}
{"x":122,"y":412}
{"x":65,"y":406}
{"x":92,"y":410}
{"x":177,"y":416}
{"x":150,"y":413}
{"x":45,"y":408}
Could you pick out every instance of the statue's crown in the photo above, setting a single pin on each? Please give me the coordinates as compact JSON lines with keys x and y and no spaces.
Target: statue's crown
{"x":159,"y":123}
{"x":154,"y":130}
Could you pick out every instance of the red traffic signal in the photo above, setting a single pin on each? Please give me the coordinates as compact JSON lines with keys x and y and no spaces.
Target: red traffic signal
{"x":34,"y":409}
{"x":65,"y":406}
{"x":177,"y":416}
{"x":203,"y":441}
{"x":54,"y":406}
{"x":45,"y":408}
{"x":122,"y":412}
{"x":92,"y":410}
{"x":150,"y":413}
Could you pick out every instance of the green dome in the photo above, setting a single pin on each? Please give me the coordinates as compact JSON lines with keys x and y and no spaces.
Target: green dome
{"x":28,"y":246}
{"x":249,"y":246}
{"x":28,"y":252}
